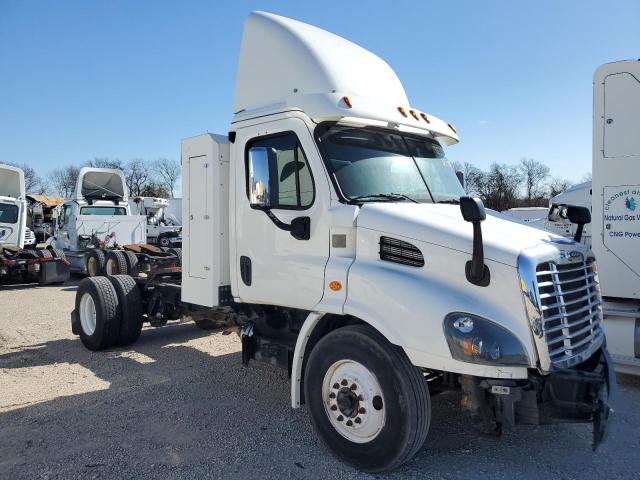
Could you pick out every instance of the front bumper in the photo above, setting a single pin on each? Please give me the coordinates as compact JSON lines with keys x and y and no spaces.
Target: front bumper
{"x":582,"y":394}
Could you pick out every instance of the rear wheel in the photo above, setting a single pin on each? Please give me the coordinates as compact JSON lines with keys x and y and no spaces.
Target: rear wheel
{"x":132,"y":263}
{"x":94,"y":262}
{"x":115,"y":263}
{"x":97,"y":311}
{"x":164,"y":241}
{"x":368,"y":403}
{"x":129,"y":308}
{"x":57,"y":253}
{"x":43,"y":253}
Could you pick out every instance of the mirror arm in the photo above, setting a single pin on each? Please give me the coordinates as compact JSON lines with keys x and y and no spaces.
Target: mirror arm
{"x":300,"y":227}
{"x":476,"y":271}
{"x":578,"y":236}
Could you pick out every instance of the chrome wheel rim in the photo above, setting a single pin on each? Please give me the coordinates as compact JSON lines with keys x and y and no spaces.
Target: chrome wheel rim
{"x":87,"y":314}
{"x":353,"y":401}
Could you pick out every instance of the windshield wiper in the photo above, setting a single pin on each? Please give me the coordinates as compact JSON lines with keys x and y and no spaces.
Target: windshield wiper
{"x":391,"y":197}
{"x":452,"y":201}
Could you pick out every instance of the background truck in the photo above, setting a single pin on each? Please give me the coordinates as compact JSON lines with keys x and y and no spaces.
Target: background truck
{"x":556,"y":218}
{"x":330,"y":227}
{"x":616,"y":205}
{"x":162,"y":228}
{"x":17,"y":262}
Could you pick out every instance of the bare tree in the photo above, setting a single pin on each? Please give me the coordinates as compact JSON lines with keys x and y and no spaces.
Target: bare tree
{"x":155,"y":189}
{"x":587,"y":177}
{"x":558,"y":185}
{"x":62,"y":181}
{"x":168,"y":172}
{"x":136,"y":173}
{"x":105,"y":162}
{"x":534,"y":174}
{"x":499,"y":186}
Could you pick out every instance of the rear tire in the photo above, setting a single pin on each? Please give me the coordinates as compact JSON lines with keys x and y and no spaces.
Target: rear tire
{"x":132,"y":263}
{"x":94,"y":262}
{"x":164,"y":241}
{"x":57,"y":253}
{"x":129,"y":308}
{"x":384,"y":420}
{"x":43,"y":253}
{"x":115,"y":263}
{"x":97,"y":311}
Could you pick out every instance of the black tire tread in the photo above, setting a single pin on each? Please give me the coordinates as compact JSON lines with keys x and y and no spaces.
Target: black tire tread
{"x":129,"y":308}
{"x":100,"y":257}
{"x":107,"y":304}
{"x":133,"y":268}
{"x":57,"y":253}
{"x":121,"y":261}
{"x":178,"y":253}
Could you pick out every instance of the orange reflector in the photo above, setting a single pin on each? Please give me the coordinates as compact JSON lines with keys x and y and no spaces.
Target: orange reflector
{"x":335,"y":286}
{"x":425,"y":117}
{"x":402,"y":112}
{"x":452,"y":128}
{"x":347,"y":101}
{"x":414,"y":114}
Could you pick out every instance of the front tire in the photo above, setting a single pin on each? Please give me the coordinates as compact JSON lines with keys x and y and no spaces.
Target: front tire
{"x":368,"y":403}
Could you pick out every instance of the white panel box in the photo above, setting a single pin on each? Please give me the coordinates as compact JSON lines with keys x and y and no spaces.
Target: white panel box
{"x":205,"y":218}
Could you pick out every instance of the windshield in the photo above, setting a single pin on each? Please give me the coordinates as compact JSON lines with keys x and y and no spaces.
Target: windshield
{"x":8,"y":213}
{"x":375,"y":164}
{"x":103,"y":211}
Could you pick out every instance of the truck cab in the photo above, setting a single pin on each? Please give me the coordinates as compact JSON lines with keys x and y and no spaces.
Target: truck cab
{"x":329,"y":220}
{"x":97,"y":217}
{"x":162,"y":228}
{"x":16,"y":261}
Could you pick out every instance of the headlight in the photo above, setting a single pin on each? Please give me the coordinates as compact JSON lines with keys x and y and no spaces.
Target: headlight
{"x":478,"y":340}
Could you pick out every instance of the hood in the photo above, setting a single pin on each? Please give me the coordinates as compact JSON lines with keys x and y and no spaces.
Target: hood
{"x":443,"y":225}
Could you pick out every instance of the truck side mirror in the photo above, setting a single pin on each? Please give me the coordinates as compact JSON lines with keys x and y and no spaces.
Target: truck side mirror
{"x":477,"y":272}
{"x":555,"y":214}
{"x":580,"y":216}
{"x":259,"y":178}
{"x":260,"y":194}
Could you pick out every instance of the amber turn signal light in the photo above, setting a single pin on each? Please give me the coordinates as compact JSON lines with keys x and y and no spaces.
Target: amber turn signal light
{"x":347,"y":101}
{"x":335,"y":286}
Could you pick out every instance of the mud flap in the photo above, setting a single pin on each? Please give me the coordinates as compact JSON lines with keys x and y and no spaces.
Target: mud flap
{"x":606,"y":397}
{"x":75,"y":323}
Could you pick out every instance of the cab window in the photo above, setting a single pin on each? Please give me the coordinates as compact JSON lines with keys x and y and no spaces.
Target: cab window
{"x":291,"y":184}
{"x":103,"y":211}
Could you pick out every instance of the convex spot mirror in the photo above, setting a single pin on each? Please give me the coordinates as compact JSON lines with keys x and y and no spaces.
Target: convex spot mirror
{"x":259,"y":178}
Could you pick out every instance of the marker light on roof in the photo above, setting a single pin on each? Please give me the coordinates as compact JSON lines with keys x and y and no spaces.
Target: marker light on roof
{"x":402,"y":112}
{"x":414,"y":114}
{"x":452,"y":128}
{"x":425,"y":117}
{"x":347,"y":101}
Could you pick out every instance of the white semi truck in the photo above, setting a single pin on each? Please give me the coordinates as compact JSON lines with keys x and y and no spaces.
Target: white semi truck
{"x":45,"y":265}
{"x":163,"y":228}
{"x":96,"y":229}
{"x":329,"y":222}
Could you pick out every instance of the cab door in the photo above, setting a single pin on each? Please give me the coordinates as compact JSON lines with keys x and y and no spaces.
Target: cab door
{"x":273,"y":264}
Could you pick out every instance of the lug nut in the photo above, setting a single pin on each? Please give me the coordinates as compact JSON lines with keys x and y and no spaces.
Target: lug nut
{"x":332,"y":395}
{"x":362,"y":410}
{"x":357,"y":420}
{"x":354,"y":386}
{"x":349,"y":423}
{"x":340,"y":418}
{"x":334,"y":407}
{"x":344,"y":383}
{"x":336,"y":386}
{"x":361,"y":398}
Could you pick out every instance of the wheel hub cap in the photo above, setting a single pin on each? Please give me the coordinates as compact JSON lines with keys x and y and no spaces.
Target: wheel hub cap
{"x":353,"y":401}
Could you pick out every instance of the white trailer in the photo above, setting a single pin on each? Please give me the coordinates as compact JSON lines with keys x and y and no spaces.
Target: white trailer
{"x":46,"y":265}
{"x":616,"y":205}
{"x":329,"y":223}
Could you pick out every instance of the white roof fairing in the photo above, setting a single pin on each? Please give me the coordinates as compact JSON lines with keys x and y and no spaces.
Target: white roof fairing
{"x":11,"y":182}
{"x":291,"y":64}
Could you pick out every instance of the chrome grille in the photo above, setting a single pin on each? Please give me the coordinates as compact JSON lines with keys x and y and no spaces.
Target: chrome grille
{"x":571,"y":308}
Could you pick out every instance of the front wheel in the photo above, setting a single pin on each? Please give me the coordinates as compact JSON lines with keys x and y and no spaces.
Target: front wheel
{"x":368,"y":403}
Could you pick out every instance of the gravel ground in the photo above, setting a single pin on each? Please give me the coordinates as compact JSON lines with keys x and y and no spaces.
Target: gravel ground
{"x":179,"y":404}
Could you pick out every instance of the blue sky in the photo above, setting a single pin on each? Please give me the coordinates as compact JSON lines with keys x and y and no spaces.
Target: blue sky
{"x":129,"y":79}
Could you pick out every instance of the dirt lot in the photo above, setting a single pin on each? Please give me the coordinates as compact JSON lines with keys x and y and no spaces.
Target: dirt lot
{"x":179,"y":404}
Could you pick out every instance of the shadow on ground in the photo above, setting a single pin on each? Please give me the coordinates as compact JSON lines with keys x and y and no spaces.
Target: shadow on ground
{"x":168,"y":408}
